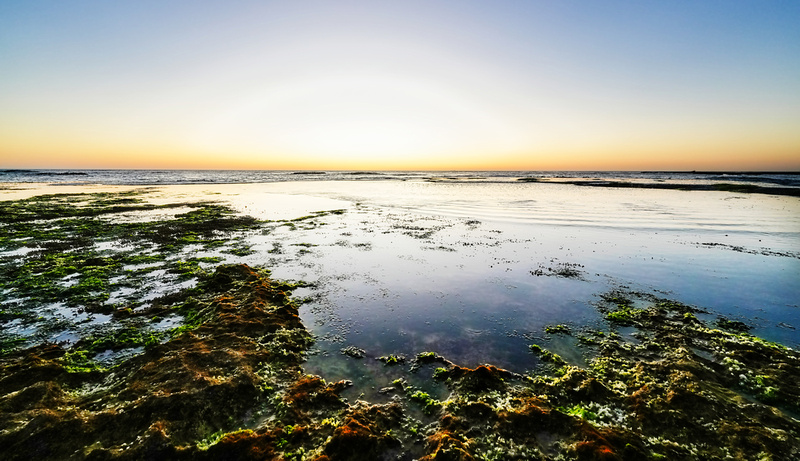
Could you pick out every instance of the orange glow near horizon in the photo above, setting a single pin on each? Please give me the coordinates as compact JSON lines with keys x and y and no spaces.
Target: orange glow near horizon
{"x":80,"y":157}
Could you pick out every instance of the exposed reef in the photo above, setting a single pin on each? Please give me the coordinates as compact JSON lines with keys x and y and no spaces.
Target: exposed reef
{"x":169,"y":399}
{"x":234,"y":388}
{"x":678,"y":389}
{"x":68,"y":261}
{"x":211,"y":366}
{"x":742,"y":188}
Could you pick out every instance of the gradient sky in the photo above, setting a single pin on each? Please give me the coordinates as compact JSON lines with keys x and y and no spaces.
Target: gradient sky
{"x":541,"y":85}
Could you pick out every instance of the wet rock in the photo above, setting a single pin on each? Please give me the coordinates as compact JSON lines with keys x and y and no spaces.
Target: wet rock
{"x":392,"y":359}
{"x":174,"y":394}
{"x":480,"y":379}
{"x":353,"y":351}
{"x":232,"y":387}
{"x":735,"y":326}
{"x":312,"y":393}
{"x":244,"y":445}
{"x":682,"y":391}
{"x":367,"y":434}
{"x":447,"y":446}
{"x":30,"y":367}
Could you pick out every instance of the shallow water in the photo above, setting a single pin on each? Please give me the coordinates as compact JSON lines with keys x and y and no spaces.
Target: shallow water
{"x":450,"y":267}
{"x":474,"y":270}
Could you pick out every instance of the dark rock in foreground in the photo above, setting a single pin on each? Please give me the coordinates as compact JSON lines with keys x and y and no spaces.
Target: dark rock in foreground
{"x":214,"y":378}
{"x":234,"y":388}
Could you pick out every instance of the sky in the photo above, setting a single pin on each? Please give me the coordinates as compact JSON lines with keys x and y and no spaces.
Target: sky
{"x":433,"y":84}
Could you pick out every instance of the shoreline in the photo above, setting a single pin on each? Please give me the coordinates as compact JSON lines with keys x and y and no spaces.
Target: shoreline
{"x":660,"y":379}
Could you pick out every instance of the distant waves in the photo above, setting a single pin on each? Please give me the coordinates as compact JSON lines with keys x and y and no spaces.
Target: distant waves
{"x":167,"y":177}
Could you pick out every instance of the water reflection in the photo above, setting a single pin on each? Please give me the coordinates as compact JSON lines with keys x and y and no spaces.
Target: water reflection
{"x":471,"y":270}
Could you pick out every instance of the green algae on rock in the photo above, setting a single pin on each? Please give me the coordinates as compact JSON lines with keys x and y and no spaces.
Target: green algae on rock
{"x":167,"y":399}
{"x":73,"y":256}
{"x":234,"y":388}
{"x":225,"y":380}
{"x":660,"y":399}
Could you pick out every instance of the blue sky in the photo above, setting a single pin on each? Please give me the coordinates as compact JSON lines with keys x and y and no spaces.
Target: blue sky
{"x":428,"y":84}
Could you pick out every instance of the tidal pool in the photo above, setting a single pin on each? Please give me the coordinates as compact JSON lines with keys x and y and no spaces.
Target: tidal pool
{"x":476,"y":271}
{"x":593,"y":290}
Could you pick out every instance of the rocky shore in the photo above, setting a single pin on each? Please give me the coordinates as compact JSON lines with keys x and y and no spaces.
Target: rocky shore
{"x":152,"y":352}
{"x":234,"y":388}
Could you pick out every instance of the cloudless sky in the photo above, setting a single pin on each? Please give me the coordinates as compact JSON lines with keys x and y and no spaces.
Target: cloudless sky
{"x":681,"y":85}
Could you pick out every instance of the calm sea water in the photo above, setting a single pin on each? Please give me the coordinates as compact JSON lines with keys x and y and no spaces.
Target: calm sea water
{"x":461,"y":264}
{"x":155,"y":177}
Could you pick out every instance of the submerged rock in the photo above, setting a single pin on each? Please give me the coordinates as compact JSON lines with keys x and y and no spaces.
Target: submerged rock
{"x":481,"y":379}
{"x":684,"y":391}
{"x":233,"y":387}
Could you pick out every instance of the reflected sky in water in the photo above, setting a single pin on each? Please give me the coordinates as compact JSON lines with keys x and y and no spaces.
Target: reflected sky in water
{"x":476,"y":270}
{"x":452,"y":267}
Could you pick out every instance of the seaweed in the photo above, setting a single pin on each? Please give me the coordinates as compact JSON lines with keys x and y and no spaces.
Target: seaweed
{"x":392,"y":359}
{"x":77,"y":255}
{"x":213,"y":367}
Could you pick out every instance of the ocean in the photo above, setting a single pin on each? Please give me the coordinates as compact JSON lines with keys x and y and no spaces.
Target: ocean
{"x":158,"y":177}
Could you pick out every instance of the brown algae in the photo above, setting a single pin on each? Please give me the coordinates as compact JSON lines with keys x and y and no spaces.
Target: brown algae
{"x":222,"y":376}
{"x":234,"y":387}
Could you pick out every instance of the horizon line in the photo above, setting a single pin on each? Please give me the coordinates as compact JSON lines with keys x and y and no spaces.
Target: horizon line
{"x":681,"y":171}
